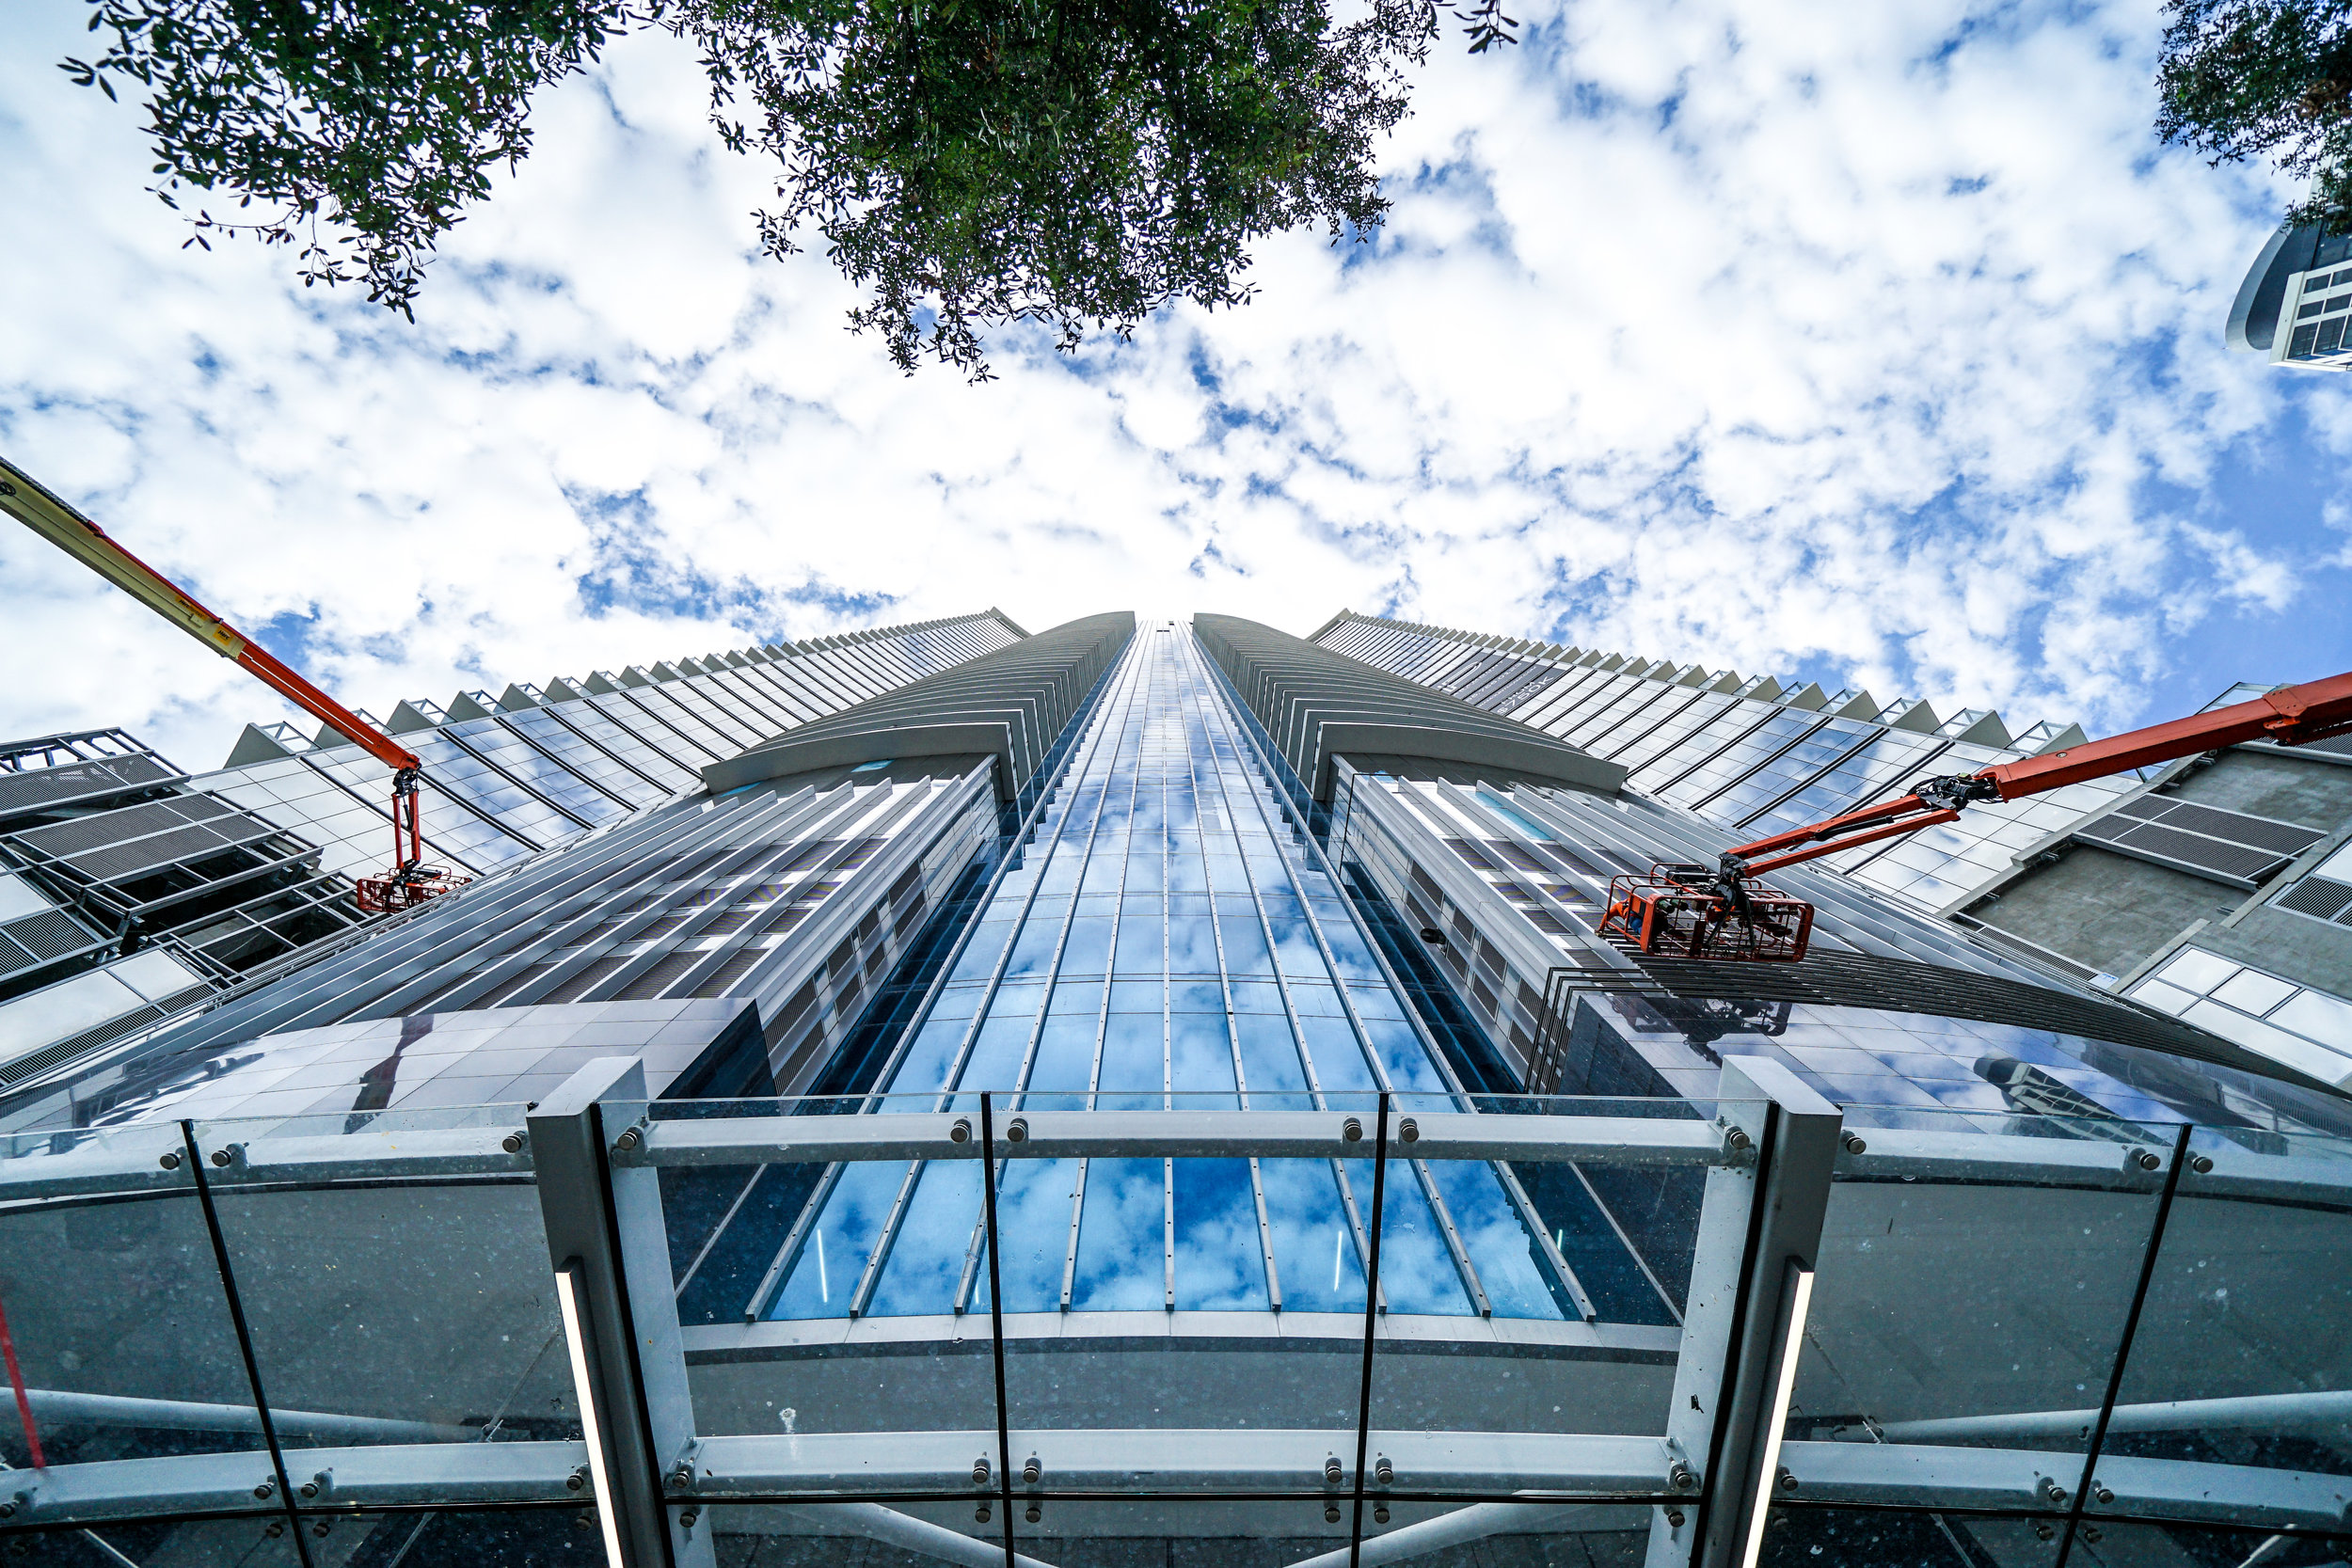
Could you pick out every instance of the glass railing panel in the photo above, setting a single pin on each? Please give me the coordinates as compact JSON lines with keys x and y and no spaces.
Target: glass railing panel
{"x":2119,"y":1544}
{"x":115,"y":1313}
{"x":394,"y":1274}
{"x":522,"y":1537}
{"x":1798,"y":1537}
{"x":1446,"y":1534}
{"x":1975,"y":1272}
{"x":1258,"y":1530}
{"x":1532,"y":1304}
{"x":261,"y":1540}
{"x":829,"y":1300}
{"x":1255,"y":1532}
{"x":1210,"y":1287}
{"x":2244,"y":1350}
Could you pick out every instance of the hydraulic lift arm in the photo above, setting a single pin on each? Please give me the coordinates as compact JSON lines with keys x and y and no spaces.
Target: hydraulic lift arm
{"x":39,"y":508}
{"x":1720,"y":913}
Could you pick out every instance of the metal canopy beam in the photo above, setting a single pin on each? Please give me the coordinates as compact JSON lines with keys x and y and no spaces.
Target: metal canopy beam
{"x":120,"y":1163}
{"x":1522,"y":1471}
{"x":1178,"y":1135}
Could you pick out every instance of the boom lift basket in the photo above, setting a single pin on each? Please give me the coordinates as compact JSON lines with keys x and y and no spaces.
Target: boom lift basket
{"x":1681,"y":911}
{"x":404,"y":888}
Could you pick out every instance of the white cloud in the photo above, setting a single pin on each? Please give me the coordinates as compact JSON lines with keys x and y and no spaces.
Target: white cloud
{"x":1877,"y":345}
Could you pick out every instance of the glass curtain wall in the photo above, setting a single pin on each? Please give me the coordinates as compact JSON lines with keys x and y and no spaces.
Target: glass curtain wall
{"x":1167,"y":942}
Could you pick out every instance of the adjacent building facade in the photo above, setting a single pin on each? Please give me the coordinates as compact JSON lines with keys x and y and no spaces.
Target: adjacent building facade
{"x":2214,"y":872}
{"x":2293,"y":305}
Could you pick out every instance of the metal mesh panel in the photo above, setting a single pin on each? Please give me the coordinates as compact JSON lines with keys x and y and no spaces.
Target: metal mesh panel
{"x":117,"y":862}
{"x":2238,"y":865}
{"x":52,"y":935}
{"x":47,"y":787}
{"x":730,"y":972}
{"x":667,"y":971}
{"x":730,"y":921}
{"x":498,"y":993}
{"x":2317,"y":898}
{"x":111,"y":846}
{"x":2284,"y":838}
{"x":73,"y":1045}
{"x":590,"y":975}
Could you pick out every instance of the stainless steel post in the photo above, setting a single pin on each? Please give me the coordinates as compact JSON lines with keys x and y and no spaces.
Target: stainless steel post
{"x":605,"y":1234}
{"x":1759,"y":1233}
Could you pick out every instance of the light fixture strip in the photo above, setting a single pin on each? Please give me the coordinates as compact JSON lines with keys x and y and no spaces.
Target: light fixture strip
{"x":1796,"y":1301}
{"x":576,"y":1343}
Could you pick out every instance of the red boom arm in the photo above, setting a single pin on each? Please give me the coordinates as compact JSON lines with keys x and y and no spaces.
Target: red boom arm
{"x":1691,"y":912}
{"x":39,"y":508}
{"x":2293,"y":715}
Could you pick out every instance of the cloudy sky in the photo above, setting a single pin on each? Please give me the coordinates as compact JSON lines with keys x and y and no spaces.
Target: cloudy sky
{"x":1878,"y":345}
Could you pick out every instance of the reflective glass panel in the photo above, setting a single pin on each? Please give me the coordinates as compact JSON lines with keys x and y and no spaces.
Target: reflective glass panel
{"x":114,"y":1306}
{"x":1902,"y":1538}
{"x":2243,"y":1352}
{"x":1974,"y":1278}
{"x":394,"y":1291}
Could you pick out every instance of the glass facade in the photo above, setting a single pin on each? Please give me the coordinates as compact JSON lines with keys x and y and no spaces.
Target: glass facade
{"x":537,"y":767}
{"x":1512,"y":882}
{"x":1168,"y":941}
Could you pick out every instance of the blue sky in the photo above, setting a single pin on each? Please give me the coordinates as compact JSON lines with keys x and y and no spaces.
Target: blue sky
{"x":1873,"y":345}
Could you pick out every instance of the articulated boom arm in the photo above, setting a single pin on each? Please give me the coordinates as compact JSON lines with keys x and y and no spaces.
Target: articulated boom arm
{"x":31,"y":504}
{"x":1696,"y":911}
{"x":2292,"y":716}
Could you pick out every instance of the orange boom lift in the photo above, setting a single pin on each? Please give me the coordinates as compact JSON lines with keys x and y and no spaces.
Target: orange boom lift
{"x":1721,"y":912}
{"x":410,"y":881}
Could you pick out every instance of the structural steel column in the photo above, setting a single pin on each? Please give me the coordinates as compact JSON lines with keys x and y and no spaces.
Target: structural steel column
{"x":1759,"y":1233}
{"x":605,"y":1229}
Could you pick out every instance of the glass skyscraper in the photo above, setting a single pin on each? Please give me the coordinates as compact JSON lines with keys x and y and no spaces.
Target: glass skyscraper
{"x":1156,"y":1091}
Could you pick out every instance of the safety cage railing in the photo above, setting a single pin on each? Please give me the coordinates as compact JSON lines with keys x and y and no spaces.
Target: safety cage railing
{"x":600,"y":1328}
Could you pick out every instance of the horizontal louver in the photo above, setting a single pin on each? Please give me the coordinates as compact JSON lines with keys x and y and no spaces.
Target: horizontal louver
{"x":73,"y":1045}
{"x":2205,"y":841}
{"x":1514,"y":854}
{"x":737,"y":966}
{"x":1472,"y":853}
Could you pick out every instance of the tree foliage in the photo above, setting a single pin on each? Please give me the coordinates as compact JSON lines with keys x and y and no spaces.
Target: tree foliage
{"x":968,"y":164}
{"x":2247,"y":78}
{"x":363,"y":127}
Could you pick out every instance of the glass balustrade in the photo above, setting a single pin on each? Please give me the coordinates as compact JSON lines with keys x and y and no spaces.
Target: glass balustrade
{"x":339,"y":1339}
